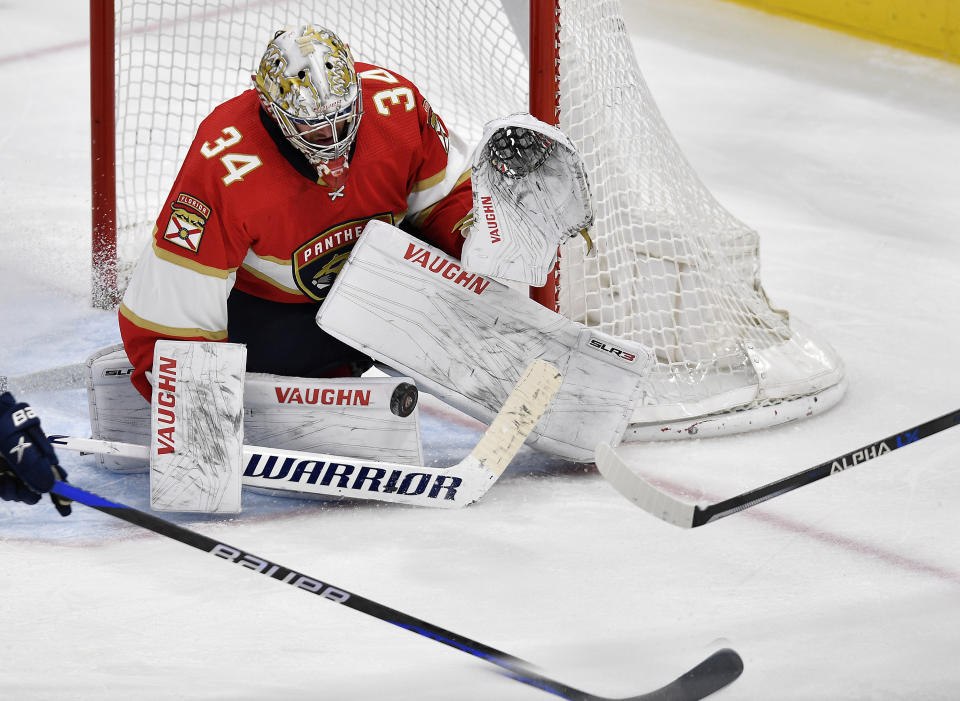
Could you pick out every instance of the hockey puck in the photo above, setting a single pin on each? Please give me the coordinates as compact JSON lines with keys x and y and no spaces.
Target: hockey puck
{"x":404,"y":399}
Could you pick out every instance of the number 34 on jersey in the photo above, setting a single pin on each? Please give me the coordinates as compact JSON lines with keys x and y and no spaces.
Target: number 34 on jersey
{"x":237,"y":164}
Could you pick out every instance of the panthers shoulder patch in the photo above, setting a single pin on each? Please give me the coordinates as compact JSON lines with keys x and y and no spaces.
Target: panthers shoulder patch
{"x":186,"y":223}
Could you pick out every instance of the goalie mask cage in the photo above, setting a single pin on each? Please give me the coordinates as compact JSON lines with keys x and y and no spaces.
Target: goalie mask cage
{"x":672,"y":268}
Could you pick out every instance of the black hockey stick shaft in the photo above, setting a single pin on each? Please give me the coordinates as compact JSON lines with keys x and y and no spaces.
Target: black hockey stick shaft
{"x":703,"y":515}
{"x":714,"y":673}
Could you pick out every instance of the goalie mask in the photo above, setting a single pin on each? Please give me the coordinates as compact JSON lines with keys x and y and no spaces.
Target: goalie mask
{"x":307,"y":82}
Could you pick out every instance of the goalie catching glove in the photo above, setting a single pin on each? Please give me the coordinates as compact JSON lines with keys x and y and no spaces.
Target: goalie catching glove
{"x":530,"y":194}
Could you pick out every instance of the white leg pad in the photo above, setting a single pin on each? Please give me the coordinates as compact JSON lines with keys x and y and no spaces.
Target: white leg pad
{"x":196,"y":436}
{"x":372,"y":418}
{"x":118,"y":412}
{"x":467,"y":340}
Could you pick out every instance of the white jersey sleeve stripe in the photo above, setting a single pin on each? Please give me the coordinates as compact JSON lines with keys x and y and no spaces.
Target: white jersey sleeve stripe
{"x":272,"y":271}
{"x":177,"y":300}
{"x":170,"y":330}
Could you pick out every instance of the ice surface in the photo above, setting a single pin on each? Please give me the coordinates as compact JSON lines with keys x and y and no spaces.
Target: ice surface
{"x":843,"y":154}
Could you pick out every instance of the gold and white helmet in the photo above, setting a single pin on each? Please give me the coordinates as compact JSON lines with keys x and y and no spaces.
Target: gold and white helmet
{"x":308,"y":84}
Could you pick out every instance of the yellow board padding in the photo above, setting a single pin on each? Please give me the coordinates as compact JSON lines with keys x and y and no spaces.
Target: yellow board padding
{"x":930,"y":27}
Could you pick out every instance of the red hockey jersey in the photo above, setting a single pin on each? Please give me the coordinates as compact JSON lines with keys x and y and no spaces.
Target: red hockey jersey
{"x":247,"y":211}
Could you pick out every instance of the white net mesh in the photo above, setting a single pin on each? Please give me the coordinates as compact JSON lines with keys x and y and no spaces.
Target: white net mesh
{"x":673,"y":269}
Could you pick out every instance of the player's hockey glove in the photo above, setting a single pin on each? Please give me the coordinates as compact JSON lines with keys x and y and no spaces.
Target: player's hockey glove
{"x":28,"y":465}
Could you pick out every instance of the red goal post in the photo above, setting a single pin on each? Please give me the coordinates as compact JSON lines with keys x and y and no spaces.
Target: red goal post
{"x":672,"y":268}
{"x":104,"y":290}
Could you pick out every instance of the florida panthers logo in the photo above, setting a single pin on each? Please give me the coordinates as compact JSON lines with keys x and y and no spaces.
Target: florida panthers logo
{"x":317,"y":262}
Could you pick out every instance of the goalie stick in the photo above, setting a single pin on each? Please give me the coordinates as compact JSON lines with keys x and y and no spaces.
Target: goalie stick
{"x":715,"y":672}
{"x":679,"y":513}
{"x":337,"y":476}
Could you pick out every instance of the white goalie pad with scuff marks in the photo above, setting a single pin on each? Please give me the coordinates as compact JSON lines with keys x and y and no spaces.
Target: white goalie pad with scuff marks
{"x":118,"y":412}
{"x":466,"y":339}
{"x":375,"y":418}
{"x":196,"y":426}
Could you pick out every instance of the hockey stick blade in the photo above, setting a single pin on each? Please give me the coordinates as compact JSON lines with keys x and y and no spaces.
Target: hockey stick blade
{"x":679,"y":513}
{"x":716,"y":672}
{"x":338,"y":476}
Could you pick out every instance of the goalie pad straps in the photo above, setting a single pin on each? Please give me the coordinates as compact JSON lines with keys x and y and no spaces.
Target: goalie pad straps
{"x":530,"y":194}
{"x":196,"y":427}
{"x":466,"y":339}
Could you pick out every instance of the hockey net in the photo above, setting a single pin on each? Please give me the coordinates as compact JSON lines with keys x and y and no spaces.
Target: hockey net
{"x":672,"y":269}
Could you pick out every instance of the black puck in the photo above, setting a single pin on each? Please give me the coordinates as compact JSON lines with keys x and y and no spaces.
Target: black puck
{"x":404,"y":399}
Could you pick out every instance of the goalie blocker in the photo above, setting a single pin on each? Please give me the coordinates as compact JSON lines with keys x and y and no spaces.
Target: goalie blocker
{"x":466,"y":339}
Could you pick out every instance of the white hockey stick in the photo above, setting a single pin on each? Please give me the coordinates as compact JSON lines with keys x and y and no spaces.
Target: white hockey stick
{"x":685,"y":515}
{"x":337,"y":476}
